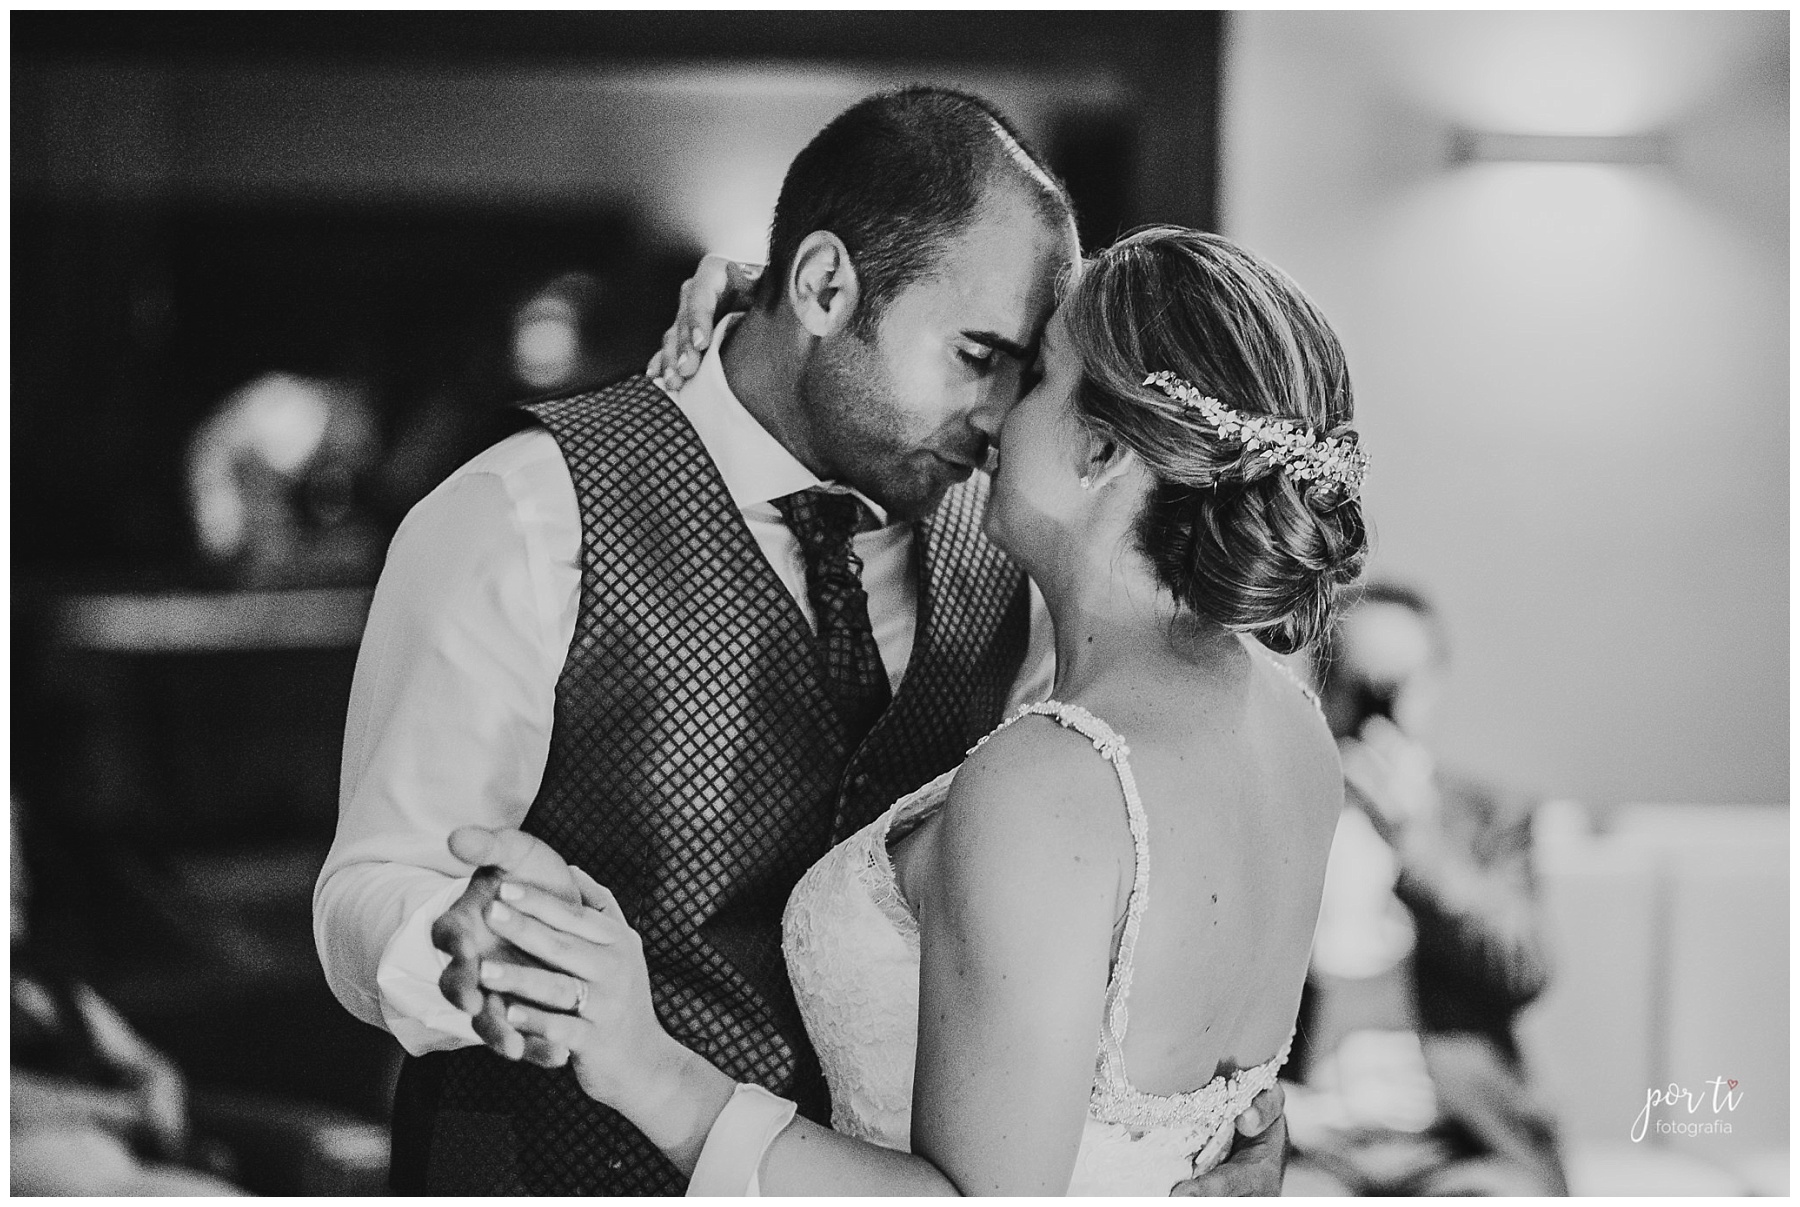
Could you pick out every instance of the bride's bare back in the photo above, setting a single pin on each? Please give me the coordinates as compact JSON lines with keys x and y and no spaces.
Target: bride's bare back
{"x":1242,"y":795}
{"x":1241,"y":789}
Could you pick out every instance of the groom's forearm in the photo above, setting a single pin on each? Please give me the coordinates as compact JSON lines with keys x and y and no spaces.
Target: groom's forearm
{"x":371,"y":927}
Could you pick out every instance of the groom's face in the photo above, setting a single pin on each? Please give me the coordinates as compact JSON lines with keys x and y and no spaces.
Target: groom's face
{"x":908,"y":412}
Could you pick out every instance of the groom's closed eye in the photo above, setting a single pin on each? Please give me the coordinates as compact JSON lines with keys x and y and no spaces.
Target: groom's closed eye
{"x":989,"y":347}
{"x":982,"y":360}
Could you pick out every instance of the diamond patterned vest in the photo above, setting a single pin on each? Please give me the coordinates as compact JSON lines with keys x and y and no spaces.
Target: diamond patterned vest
{"x":694,"y":769}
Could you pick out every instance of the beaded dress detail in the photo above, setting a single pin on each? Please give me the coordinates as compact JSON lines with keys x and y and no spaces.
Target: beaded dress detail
{"x":852,"y":948}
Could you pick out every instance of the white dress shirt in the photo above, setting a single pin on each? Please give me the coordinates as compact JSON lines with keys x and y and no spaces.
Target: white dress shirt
{"x":455,"y":689}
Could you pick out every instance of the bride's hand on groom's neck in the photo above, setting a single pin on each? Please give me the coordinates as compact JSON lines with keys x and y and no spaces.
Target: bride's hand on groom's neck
{"x":718,"y":288}
{"x":462,"y":932}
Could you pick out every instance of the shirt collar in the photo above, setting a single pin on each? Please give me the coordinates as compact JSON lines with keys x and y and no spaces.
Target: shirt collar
{"x":757,"y":467}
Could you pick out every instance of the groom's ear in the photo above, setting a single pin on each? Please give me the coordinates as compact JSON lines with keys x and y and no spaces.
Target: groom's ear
{"x":822,"y":286}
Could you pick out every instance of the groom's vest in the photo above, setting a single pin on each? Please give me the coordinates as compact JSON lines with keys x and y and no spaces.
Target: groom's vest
{"x":695,"y":768}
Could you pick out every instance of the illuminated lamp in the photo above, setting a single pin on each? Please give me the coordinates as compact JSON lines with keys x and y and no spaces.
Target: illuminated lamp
{"x":1481,"y":146}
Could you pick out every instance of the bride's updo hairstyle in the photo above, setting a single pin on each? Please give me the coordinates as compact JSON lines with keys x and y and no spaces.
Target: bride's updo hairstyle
{"x":1235,"y":536}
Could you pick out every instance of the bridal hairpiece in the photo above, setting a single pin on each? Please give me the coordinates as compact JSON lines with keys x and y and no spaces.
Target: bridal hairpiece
{"x":1303,"y":455}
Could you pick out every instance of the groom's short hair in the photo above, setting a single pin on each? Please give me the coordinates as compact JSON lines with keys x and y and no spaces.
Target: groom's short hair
{"x":895,"y":176}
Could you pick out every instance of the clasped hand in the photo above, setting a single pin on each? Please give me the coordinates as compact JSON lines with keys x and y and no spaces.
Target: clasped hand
{"x":591,"y":997}
{"x":555,"y":930}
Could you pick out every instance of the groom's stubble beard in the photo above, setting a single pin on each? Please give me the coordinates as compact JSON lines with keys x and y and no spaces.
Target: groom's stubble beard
{"x":858,"y":430}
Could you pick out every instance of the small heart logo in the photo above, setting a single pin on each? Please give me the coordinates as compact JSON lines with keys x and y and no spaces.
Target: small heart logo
{"x":1731,"y":1083}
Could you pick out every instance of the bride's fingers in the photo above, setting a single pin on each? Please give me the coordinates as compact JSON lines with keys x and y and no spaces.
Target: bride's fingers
{"x":718,"y":286}
{"x":544,"y":1054}
{"x":661,"y":368}
{"x":559,"y":949}
{"x":558,"y":1030}
{"x":597,"y":895}
{"x":678,"y":340}
{"x":678,"y":356}
{"x":727,"y":284}
{"x":582,"y":922}
{"x":551,"y":990}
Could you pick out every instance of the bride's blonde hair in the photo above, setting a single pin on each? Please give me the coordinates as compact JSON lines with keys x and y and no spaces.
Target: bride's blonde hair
{"x":1231,"y":535}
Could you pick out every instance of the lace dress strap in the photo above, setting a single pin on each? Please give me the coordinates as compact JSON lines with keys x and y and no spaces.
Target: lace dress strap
{"x":1208,"y":1109}
{"x":1288,"y":671}
{"x":1112,"y":747}
{"x":1070,"y":716}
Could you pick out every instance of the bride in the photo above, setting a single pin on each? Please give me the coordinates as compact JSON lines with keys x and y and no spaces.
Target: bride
{"x":1068,"y":964}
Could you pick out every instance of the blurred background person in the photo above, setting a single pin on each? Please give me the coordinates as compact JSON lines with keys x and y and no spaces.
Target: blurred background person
{"x":1429,"y":942}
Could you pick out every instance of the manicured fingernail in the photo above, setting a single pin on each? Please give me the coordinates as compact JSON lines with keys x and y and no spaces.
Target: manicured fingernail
{"x":498,"y":913}
{"x":688,"y":362}
{"x":492,"y":974}
{"x":515,"y":1016}
{"x":515,"y":1045}
{"x":699,"y":337}
{"x":511,"y":891}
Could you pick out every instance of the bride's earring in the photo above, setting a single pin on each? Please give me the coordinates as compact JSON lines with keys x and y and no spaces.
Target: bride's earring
{"x":1103,"y":458}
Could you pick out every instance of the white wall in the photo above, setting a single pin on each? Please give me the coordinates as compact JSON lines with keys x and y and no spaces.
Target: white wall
{"x":1573,"y":378}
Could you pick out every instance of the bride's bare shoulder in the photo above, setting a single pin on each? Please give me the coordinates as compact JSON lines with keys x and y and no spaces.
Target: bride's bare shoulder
{"x":1307,"y":752}
{"x":1037,"y":793}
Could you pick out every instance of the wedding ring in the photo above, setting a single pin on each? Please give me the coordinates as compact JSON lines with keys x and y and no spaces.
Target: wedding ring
{"x":581,"y":994}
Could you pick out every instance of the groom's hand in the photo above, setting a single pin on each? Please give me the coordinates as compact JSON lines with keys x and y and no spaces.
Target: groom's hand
{"x":462,"y":932}
{"x":1258,"y":1154}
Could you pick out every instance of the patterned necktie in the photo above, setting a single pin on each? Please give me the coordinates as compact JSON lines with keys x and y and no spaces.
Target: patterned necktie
{"x":824,"y":522}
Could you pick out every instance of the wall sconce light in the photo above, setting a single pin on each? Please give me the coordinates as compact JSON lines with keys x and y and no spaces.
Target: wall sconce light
{"x":1480,"y":146}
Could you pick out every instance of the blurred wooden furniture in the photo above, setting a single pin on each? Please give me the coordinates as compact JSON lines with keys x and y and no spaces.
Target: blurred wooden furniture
{"x":178,"y":758}
{"x":328,"y":618}
{"x":284,"y":1146}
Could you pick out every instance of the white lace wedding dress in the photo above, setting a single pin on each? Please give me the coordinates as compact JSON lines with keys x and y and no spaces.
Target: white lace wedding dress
{"x":852,"y":949}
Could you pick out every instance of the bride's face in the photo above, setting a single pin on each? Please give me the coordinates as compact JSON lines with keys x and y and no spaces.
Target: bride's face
{"x":1041,"y":455}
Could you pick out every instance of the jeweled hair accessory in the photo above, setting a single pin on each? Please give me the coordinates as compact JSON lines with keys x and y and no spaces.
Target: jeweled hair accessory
{"x":1297,"y":450}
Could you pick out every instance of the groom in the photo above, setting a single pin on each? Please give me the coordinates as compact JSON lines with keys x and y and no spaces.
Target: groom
{"x":690,"y":642}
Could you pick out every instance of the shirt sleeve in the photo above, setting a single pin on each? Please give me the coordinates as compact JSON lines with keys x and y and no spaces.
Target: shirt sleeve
{"x":449,"y":723}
